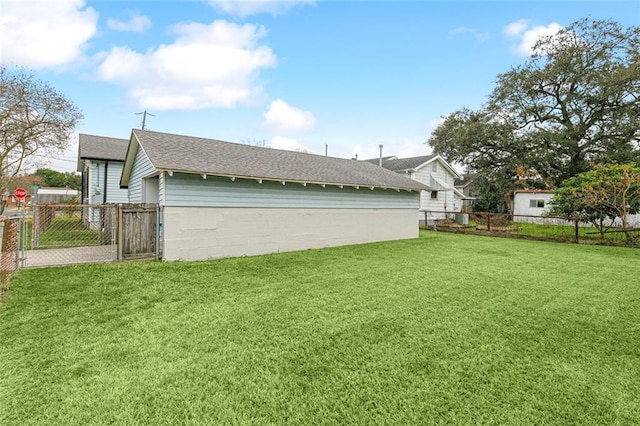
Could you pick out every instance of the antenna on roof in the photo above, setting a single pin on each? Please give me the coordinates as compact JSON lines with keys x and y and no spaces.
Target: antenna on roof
{"x":144,"y":118}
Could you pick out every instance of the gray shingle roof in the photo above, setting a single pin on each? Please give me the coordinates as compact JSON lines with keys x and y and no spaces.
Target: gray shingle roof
{"x":402,"y":164}
{"x":102,"y":148}
{"x":207,"y":156}
{"x":376,"y":161}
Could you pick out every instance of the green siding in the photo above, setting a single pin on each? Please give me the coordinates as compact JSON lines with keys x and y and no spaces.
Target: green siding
{"x":184,"y":190}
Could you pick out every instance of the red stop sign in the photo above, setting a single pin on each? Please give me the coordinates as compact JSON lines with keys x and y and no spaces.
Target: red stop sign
{"x":20,"y":193}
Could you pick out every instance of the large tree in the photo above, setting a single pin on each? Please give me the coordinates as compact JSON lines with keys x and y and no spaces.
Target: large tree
{"x":34,"y":119}
{"x":573,"y":103}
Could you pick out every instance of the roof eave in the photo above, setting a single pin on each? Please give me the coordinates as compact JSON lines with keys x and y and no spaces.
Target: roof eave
{"x":132,"y":150}
{"x":297,"y":181}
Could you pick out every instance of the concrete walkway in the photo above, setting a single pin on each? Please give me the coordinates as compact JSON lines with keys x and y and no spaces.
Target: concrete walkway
{"x":70,"y":256}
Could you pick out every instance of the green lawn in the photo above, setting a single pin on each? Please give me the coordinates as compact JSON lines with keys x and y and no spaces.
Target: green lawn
{"x":447,"y":328}
{"x":66,"y":231}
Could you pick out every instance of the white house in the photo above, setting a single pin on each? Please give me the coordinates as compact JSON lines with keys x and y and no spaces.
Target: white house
{"x":221,"y":199}
{"x":437,"y":174}
{"x":54,"y":195}
{"x":530,"y":203}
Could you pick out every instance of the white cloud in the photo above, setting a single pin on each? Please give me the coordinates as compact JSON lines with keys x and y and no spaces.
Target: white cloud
{"x":206,"y":66}
{"x":478,"y":35}
{"x":282,"y":117}
{"x":137,"y":23}
{"x":528,"y":35}
{"x":244,"y":8}
{"x":280,"y":142}
{"x":44,"y":34}
{"x":515,"y":29}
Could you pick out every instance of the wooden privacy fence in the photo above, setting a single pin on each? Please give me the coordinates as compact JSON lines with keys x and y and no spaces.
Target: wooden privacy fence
{"x":138,"y":231}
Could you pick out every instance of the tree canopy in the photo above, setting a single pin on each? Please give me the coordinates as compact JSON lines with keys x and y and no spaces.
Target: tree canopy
{"x":574,"y":103}
{"x":34,"y":118}
{"x":59,"y":179}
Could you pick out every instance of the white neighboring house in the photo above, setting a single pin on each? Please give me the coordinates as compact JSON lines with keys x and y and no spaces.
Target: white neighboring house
{"x":435,"y":172}
{"x":54,"y":195}
{"x":529,"y":204}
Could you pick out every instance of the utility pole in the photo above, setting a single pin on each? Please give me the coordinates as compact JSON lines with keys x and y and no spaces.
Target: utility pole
{"x":144,"y":118}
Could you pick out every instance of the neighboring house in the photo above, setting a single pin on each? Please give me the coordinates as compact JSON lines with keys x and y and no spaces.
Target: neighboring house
{"x":465,"y":184}
{"x":54,"y":195}
{"x":11,"y":200}
{"x":528,"y":204}
{"x":100,"y":159}
{"x":434,"y":172}
{"x":222,"y":199}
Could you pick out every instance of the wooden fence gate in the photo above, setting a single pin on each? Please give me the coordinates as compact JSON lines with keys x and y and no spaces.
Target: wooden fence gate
{"x":138,"y":231}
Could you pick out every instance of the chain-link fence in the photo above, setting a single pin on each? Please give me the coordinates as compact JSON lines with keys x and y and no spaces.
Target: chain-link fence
{"x":563,"y":229}
{"x":9,"y":254}
{"x":61,"y":234}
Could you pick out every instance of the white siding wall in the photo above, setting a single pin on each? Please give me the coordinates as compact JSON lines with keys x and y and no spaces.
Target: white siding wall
{"x":522,"y":204}
{"x":141,"y":168}
{"x":114,"y":193}
{"x":96,"y":186}
{"x":186,"y":190}
{"x":446,"y":199}
{"x":197,"y":233}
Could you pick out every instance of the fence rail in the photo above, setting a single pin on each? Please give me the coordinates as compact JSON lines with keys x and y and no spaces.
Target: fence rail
{"x":550,"y":228}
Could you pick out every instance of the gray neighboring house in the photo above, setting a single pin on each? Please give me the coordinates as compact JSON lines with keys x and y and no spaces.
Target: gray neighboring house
{"x":222,"y":199}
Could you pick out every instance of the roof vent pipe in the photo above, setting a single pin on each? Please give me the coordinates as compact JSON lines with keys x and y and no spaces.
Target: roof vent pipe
{"x":380,"y":162}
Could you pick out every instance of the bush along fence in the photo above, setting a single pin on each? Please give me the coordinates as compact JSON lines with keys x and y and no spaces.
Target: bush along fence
{"x":549,"y":228}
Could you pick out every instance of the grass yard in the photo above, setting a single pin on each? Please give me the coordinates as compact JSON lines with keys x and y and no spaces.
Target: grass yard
{"x":65,"y":231}
{"x":443,"y":329}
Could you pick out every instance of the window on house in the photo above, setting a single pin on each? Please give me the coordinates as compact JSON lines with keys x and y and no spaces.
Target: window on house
{"x":536,"y":203}
{"x":434,"y":195}
{"x":435,"y":167}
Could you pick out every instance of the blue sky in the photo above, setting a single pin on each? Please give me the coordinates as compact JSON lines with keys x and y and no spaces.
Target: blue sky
{"x":347,"y":75}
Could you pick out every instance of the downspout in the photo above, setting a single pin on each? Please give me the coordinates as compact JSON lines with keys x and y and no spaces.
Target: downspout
{"x":104,"y":192}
